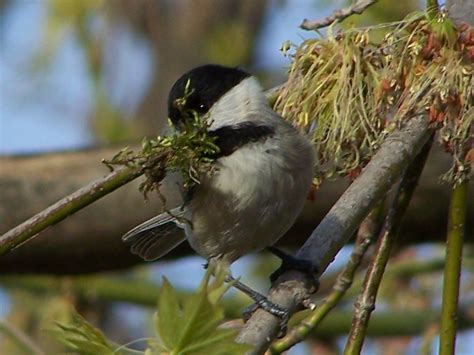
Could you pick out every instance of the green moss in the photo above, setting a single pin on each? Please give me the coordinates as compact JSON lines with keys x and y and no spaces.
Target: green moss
{"x":187,"y":151}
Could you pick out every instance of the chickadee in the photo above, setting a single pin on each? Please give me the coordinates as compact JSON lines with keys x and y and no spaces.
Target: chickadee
{"x":263,"y":174}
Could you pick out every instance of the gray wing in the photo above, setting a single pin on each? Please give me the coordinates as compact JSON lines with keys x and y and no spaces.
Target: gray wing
{"x":157,"y":236}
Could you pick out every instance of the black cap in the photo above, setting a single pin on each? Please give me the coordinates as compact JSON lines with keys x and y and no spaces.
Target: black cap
{"x":208,"y":83}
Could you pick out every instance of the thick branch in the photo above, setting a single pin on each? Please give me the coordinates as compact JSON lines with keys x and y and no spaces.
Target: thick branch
{"x":339,"y":224}
{"x":65,"y":207}
{"x":90,"y":239}
{"x":338,"y":15}
{"x":461,"y":11}
{"x":377,"y":178}
{"x":366,"y":235}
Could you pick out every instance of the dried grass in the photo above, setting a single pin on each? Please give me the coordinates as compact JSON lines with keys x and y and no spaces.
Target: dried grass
{"x":348,"y":91}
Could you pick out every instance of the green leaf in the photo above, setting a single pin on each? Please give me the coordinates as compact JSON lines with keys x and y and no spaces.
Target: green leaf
{"x":200,"y":319}
{"x":168,"y":320}
{"x":191,"y":325}
{"x":83,"y":338}
{"x":221,"y":341}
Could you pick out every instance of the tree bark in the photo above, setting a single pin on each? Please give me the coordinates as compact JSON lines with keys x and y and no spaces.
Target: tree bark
{"x":89,"y":240}
{"x":461,"y":11}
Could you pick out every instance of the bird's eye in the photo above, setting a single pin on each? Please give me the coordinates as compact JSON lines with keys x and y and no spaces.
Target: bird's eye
{"x":202,"y":107}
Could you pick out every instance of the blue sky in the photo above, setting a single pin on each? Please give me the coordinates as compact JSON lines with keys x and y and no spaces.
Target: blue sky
{"x":47,"y":110}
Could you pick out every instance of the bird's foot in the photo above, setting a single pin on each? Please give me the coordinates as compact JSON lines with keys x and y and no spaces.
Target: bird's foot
{"x":261,"y":302}
{"x":290,"y":262}
{"x":272,"y":308}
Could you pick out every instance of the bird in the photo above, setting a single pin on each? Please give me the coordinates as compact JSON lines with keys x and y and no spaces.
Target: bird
{"x":263,"y":174}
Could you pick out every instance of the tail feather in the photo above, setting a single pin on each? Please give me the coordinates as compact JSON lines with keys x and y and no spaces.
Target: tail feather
{"x":157,"y":236}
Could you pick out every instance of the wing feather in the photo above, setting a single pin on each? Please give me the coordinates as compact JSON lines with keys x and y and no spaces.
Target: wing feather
{"x":156,"y":237}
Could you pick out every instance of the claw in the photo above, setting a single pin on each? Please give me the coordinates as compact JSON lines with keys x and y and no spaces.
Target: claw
{"x":248,"y":311}
{"x":260,"y":302}
{"x":272,"y":308}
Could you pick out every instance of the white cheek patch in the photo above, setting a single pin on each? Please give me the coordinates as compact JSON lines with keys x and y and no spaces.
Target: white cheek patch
{"x":244,"y":99}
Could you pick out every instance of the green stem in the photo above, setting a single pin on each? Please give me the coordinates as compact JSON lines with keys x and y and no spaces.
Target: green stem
{"x":365,"y":302}
{"x":67,"y":206}
{"x":452,"y":269}
{"x":367,"y":234}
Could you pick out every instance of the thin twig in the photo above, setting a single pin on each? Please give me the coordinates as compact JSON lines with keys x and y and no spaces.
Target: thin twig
{"x":67,"y":206}
{"x":289,"y":291}
{"x":365,"y":302}
{"x":404,"y":270}
{"x":338,"y":15}
{"x":368,"y":232}
{"x":427,"y":338}
{"x":23,"y":341}
{"x":452,"y":268}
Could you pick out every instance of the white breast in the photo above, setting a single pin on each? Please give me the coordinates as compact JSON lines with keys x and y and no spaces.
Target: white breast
{"x":253,"y":198}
